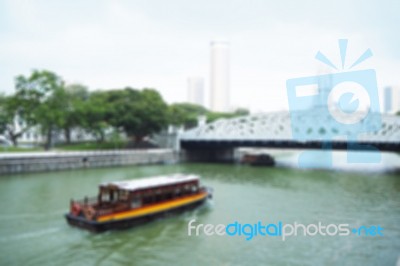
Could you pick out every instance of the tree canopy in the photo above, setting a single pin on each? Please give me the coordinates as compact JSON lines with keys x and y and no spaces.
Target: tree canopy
{"x":137,"y":113}
{"x":43,"y":100}
{"x":42,"y":97}
{"x":75,"y":98}
{"x":212,"y":116}
{"x":185,"y":114}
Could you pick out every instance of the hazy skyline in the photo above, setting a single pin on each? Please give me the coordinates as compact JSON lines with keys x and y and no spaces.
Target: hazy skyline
{"x":159,"y":44}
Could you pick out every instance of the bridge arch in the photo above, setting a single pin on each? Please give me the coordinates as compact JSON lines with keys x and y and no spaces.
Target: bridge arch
{"x":274,"y":130}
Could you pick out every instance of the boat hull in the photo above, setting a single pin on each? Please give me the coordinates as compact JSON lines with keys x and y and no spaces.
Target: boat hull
{"x":97,"y":227}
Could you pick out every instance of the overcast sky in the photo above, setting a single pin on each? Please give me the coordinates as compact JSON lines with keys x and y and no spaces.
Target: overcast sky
{"x":159,"y":44}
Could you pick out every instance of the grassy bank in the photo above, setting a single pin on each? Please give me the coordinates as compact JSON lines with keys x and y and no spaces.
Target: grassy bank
{"x":84,"y":146}
{"x":19,"y":149}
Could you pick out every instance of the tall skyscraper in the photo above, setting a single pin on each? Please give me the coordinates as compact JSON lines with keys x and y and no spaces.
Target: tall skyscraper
{"x":219,"y":94}
{"x":195,"y":90}
{"x":391,"y":97}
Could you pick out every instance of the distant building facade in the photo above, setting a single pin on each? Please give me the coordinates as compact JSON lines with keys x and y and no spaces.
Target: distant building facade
{"x":219,"y":89}
{"x":195,"y":90}
{"x":32,"y":135}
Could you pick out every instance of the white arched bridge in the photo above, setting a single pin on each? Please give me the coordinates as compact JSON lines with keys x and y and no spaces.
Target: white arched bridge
{"x":311,"y":130}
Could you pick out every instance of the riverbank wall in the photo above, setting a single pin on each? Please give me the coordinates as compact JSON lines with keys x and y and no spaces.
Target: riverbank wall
{"x":16,"y":163}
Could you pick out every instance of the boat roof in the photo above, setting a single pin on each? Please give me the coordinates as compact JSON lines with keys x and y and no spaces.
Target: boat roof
{"x":151,"y":182}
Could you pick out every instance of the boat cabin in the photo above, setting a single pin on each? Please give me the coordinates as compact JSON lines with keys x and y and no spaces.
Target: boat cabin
{"x":147,"y":191}
{"x":132,"y":194}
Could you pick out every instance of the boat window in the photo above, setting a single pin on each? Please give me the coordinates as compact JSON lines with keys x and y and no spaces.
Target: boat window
{"x":136,"y":202}
{"x":113,"y":195}
{"x":194,"y":188}
{"x":105,"y":197}
{"x":123,"y":195}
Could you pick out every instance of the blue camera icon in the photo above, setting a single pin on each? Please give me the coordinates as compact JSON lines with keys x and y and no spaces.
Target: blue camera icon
{"x":354,"y":112}
{"x":338,"y":106}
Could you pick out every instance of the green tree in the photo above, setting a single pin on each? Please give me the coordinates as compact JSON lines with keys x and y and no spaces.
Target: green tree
{"x":213,"y":116}
{"x":94,"y":115}
{"x":185,"y":114}
{"x":15,"y":116}
{"x":76,"y":96}
{"x":45,"y":91}
{"x":137,"y":113}
{"x":153,"y":112}
{"x":8,"y":113}
{"x":241,"y":112}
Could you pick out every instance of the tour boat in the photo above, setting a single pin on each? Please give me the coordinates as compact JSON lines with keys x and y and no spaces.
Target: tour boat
{"x":123,"y":204}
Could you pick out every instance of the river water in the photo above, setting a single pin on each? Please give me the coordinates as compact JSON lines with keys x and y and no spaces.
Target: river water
{"x":34,"y":232}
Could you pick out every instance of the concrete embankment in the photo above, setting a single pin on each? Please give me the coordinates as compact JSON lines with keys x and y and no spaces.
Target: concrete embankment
{"x":13,"y":163}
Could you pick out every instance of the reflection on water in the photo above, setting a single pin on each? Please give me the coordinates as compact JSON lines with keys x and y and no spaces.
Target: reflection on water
{"x":33,"y":230}
{"x":338,"y":160}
